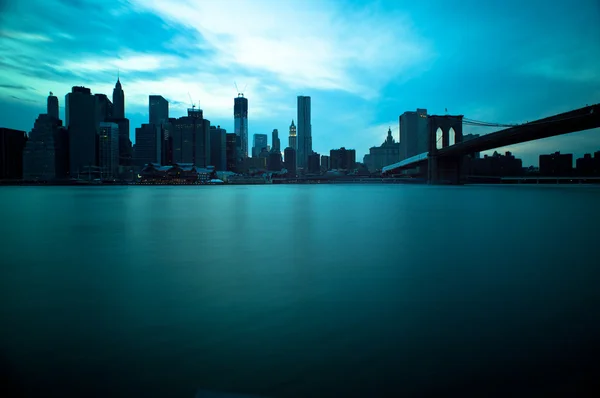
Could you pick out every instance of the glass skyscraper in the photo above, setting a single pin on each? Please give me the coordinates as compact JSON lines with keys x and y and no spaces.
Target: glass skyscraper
{"x":240,"y":114}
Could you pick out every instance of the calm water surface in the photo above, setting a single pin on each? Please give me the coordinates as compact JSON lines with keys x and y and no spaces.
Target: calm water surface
{"x":297,"y":291}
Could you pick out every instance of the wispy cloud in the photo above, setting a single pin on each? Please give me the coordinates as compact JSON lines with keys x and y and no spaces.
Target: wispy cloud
{"x":24,"y":36}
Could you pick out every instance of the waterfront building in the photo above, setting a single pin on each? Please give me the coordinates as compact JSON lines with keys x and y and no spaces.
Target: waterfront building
{"x":304,"y":131}
{"x":46,"y":153}
{"x":556,"y":164}
{"x":12,"y":143}
{"x":108,"y":142}
{"x":82,"y":120}
{"x":218,"y":148}
{"x":289,"y":157}
{"x":386,"y":154}
{"x":414,"y":133}
{"x":342,"y":159}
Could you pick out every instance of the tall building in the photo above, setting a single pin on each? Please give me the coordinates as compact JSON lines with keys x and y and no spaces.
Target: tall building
{"x":104,"y":108}
{"x":46,"y":154}
{"x":118,"y":117}
{"x":556,"y":164}
{"x":342,"y":159}
{"x":191,"y":139}
{"x":384,"y":155}
{"x":240,"y":114}
{"x":304,"y":131}
{"x":108,"y":142}
{"x":158,"y":109}
{"x":12,"y":143}
{"x":147,"y":144}
{"x":52,"y":106}
{"x":314,"y":163}
{"x":276,"y":143}
{"x":259,"y":142}
{"x":274,"y":161}
{"x":81,"y":118}
{"x":324,"y":162}
{"x":231,"y":147}
{"x":218,"y":148}
{"x":118,"y":101}
{"x":289,"y":157}
{"x":293,"y":139}
{"x":414,"y":133}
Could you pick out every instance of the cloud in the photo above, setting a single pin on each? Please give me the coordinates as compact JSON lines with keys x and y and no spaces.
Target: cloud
{"x":24,"y":36}
{"x":130,"y":61}
{"x":305,"y":45}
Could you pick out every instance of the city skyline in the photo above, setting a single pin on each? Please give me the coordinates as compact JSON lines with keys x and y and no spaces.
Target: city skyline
{"x":469,"y":66}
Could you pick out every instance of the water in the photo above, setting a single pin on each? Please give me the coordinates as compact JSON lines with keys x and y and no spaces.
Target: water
{"x":298,"y":291}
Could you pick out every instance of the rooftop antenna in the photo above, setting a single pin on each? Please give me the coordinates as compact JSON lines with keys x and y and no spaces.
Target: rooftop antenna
{"x":191,"y":101}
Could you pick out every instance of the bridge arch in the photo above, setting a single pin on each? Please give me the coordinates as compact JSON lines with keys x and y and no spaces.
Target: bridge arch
{"x":451,"y":136}
{"x":439,"y":137}
{"x":447,"y":124}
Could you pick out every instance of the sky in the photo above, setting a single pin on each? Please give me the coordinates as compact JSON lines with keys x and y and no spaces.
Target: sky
{"x":363,"y":63}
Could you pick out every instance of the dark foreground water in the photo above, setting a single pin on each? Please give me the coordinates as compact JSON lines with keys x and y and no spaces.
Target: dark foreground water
{"x":299,"y":291}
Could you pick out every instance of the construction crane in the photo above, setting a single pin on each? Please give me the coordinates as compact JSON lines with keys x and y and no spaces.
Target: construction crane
{"x":191,"y":100}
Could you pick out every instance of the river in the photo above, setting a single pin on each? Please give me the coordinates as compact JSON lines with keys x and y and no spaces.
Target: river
{"x":298,"y":290}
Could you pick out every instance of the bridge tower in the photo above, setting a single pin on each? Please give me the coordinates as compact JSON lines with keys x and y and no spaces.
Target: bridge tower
{"x":445,"y":169}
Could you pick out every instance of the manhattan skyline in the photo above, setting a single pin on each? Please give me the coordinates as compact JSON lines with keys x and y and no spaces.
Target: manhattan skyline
{"x":362,"y":64}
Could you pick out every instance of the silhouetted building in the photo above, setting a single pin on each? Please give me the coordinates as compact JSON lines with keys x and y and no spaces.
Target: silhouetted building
{"x":118,"y":101}
{"x":414,"y":133}
{"x":254,"y":164}
{"x":218,"y":148}
{"x":556,"y":164}
{"x":148,"y":138}
{"x":240,"y":114}
{"x":104,"y":108}
{"x":46,"y":154}
{"x":52,"y":106}
{"x":108,"y":141}
{"x":276,"y":142}
{"x":324,"y":162}
{"x":588,"y":165}
{"x":259,"y":142}
{"x":274,"y":161}
{"x":468,"y":137}
{"x":12,"y":143}
{"x":158,"y":109}
{"x":386,"y":154}
{"x":289,"y":157}
{"x":232,"y":145}
{"x":304,"y":131}
{"x":314,"y":163}
{"x":81,"y":119}
{"x":497,"y":165}
{"x":342,"y":159}
{"x":191,"y":139}
{"x":293,"y":139}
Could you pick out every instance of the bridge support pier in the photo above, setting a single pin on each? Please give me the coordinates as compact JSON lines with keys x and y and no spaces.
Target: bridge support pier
{"x":447,"y":170}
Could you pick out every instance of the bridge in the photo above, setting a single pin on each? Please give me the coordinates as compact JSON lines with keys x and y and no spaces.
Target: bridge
{"x":448,"y":163}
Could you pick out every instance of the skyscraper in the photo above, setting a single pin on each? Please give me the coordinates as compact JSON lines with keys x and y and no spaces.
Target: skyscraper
{"x":293,"y":140}
{"x":275,"y":142}
{"x":191,"y":139}
{"x":108,"y":142}
{"x":118,"y":117}
{"x":289,"y":157}
{"x":259,"y":143}
{"x":118,"y":101}
{"x":304,"y":131}
{"x":12,"y":143}
{"x":81,"y":116}
{"x":52,"y":106}
{"x":240,"y":114}
{"x":231,"y":144}
{"x":158,"y":109}
{"x":46,"y":154}
{"x":218,"y":148}
{"x":414,"y":133}
{"x":147,"y":144}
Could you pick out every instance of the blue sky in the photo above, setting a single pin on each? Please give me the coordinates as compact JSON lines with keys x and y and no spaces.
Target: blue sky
{"x":363,"y":63}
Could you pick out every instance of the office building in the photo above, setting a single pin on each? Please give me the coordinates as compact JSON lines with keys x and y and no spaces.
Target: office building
{"x":274,"y":161}
{"x":314,"y":163}
{"x":232,"y":145}
{"x":497,"y":165}
{"x":148,"y":139}
{"x":118,"y":101}
{"x":81,"y":119}
{"x":293,"y":139}
{"x":158,"y":109}
{"x":108,"y":142}
{"x":342,"y":159}
{"x":324,"y":163}
{"x":588,"y":165}
{"x":46,"y":154}
{"x":191,"y":139}
{"x":202,"y":144}
{"x":289,"y":157}
{"x":275,"y":142}
{"x":104,"y":108}
{"x":52,"y":106}
{"x":556,"y":164}
{"x":259,"y":142}
{"x":386,"y":154}
{"x":304,"y":131}
{"x":414,"y":133}
{"x":218,"y":148}
{"x":12,"y":143}
{"x":240,"y":114}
